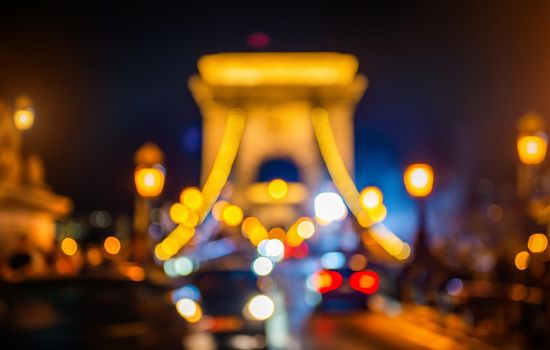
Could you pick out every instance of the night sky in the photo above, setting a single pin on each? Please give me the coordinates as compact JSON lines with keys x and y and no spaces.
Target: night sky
{"x":447,"y":83}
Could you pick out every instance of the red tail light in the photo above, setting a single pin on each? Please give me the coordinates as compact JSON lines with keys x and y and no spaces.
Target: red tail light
{"x":366,"y":282}
{"x":325,"y":281}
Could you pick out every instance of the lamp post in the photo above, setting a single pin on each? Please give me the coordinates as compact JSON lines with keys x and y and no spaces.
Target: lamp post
{"x":149,"y":181}
{"x":531,"y":147}
{"x":419,"y":179}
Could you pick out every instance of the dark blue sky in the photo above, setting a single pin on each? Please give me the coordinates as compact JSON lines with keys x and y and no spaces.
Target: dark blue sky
{"x":447,"y":82}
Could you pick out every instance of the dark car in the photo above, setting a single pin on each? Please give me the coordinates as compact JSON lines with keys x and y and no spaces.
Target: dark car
{"x":225,"y":298}
{"x":88,"y":314}
{"x":344,"y":290}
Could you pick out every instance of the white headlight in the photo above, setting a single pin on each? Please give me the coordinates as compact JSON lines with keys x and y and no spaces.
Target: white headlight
{"x":260,"y":308}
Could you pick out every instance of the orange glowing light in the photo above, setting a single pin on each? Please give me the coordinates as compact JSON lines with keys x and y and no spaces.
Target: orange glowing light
{"x":522,"y":260}
{"x":232,"y":215}
{"x":532,"y":148}
{"x":419,"y":180}
{"x":191,"y":197}
{"x":112,"y":245}
{"x":366,"y":282}
{"x":178,"y":213}
{"x":69,"y":246}
{"x":537,"y":243}
{"x":149,"y":181}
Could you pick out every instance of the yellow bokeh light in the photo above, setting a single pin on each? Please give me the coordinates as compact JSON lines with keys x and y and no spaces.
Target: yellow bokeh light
{"x":305,"y":228}
{"x":257,"y":234}
{"x":232,"y":215}
{"x":94,"y":256}
{"x":23,"y":119}
{"x":69,"y":246}
{"x":112,"y":245}
{"x":218,"y":208}
{"x":179,"y":213}
{"x":277,"y":189}
{"x":192,"y":219}
{"x":537,"y":243}
{"x":225,"y":157}
{"x":371,"y":197}
{"x":191,"y":197}
{"x":378,"y":213}
{"x":532,"y":148}
{"x":419,"y":179}
{"x":522,"y":260}
{"x":149,"y":181}
{"x":277,"y":233}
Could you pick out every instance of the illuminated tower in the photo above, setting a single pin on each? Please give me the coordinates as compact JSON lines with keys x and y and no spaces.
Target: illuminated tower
{"x":276,"y":92}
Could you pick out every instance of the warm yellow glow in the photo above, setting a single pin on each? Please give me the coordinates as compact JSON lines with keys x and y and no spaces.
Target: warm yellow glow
{"x":23,"y":119}
{"x":293,"y":239}
{"x":192,"y":219}
{"x":371,"y":197}
{"x":277,"y":189}
{"x":191,"y":197}
{"x":223,"y":163}
{"x":179,"y":213}
{"x":218,"y":208}
{"x":112,"y":245}
{"x":378,"y":213}
{"x":391,"y":243}
{"x":189,"y":310}
{"x":247,"y":69}
{"x":419,"y":179}
{"x":305,"y":228}
{"x":135,"y":273}
{"x":537,"y":243}
{"x":254,"y":230}
{"x":175,"y":240}
{"x":277,"y":233}
{"x":232,"y":215}
{"x":333,"y":160}
{"x":94,"y":256}
{"x":522,"y":260}
{"x":69,"y":246}
{"x":149,"y":181}
{"x":532,"y":148}
{"x":259,"y":193}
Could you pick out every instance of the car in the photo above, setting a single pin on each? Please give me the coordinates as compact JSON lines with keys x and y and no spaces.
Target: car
{"x":233,"y":308}
{"x":343,"y":290}
{"x":88,"y":313}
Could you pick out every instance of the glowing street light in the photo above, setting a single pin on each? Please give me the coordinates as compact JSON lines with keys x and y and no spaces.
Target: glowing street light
{"x":419,"y":180}
{"x":532,"y":148}
{"x":23,"y":116}
{"x":149,"y":181}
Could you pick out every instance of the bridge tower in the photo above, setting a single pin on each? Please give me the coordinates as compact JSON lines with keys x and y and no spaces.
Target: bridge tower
{"x":276,"y":93}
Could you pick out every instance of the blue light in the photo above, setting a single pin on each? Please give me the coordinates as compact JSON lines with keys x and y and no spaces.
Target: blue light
{"x":189,"y":291}
{"x":333,"y":260}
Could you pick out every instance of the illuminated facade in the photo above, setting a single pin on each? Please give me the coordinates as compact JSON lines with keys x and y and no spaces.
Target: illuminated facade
{"x":28,"y":208}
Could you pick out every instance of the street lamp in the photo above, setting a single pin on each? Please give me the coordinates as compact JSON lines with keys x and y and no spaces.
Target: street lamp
{"x":532,"y":144}
{"x":23,"y":117}
{"x":419,"y":180}
{"x":149,"y":181}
